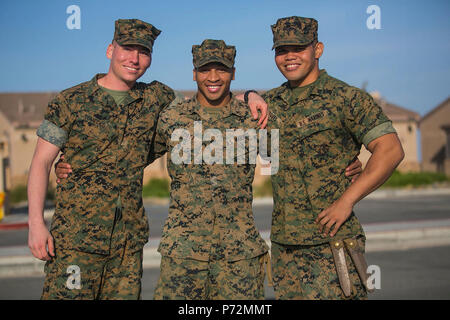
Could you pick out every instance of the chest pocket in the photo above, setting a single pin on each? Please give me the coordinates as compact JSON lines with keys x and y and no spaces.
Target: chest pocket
{"x":91,"y":127}
{"x":316,"y":139}
{"x":140,"y":129}
{"x":136,"y":141}
{"x":312,"y":131}
{"x":141,"y":122}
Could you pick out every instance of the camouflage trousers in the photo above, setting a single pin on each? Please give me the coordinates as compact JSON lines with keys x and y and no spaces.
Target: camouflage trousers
{"x":79,"y":275}
{"x":309,"y":272}
{"x":188,"y":279}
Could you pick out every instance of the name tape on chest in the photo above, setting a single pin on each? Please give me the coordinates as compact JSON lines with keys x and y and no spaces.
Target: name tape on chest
{"x":312,"y":118}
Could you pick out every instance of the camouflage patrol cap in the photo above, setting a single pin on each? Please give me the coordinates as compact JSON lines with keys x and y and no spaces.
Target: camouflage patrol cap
{"x":213,"y":51}
{"x":294,"y":31}
{"x":135,"y":31}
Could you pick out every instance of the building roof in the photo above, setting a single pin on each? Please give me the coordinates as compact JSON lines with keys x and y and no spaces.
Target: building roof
{"x":394,"y":112}
{"x":443,"y":104}
{"x":25,"y":109}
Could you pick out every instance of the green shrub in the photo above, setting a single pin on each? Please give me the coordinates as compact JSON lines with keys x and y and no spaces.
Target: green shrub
{"x":19,"y":194}
{"x":50,"y":194}
{"x":157,"y":188}
{"x":264,"y":189}
{"x":397,"y":180}
{"x":414,"y":179}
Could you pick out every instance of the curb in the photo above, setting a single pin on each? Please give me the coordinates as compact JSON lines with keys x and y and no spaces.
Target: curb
{"x":377,"y":241}
{"x":399,"y":240}
{"x":398,"y":193}
{"x":21,"y":266}
{"x":22,"y":223}
{"x":13,"y":226}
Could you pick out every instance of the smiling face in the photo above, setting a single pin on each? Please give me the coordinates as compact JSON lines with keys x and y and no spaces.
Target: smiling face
{"x":213,"y":83}
{"x":299,"y":64}
{"x":128,"y":62}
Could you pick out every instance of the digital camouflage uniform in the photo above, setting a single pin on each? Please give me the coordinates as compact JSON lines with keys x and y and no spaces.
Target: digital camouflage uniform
{"x":210,"y":246}
{"x":99,"y":225}
{"x":321,"y":133}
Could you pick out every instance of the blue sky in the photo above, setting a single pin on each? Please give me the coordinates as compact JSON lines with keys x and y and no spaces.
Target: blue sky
{"x":407,"y":60}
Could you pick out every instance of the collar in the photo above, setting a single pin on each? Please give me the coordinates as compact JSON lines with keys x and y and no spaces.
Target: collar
{"x":135,"y":93}
{"x":316,"y":88}
{"x":235,"y":107}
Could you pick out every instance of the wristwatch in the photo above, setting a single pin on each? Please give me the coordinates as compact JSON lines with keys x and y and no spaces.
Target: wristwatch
{"x":247,"y":93}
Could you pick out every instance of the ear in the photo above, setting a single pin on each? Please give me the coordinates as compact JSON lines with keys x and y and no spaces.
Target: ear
{"x":109,"y":51}
{"x":194,"y":72}
{"x":318,"y":50}
{"x":233,"y":73}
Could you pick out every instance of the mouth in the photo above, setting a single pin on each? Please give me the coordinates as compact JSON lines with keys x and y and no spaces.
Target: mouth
{"x":131,"y":69}
{"x":292,"y":66}
{"x":213,"y":89}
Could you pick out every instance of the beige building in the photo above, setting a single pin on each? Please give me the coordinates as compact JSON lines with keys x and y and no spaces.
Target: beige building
{"x":435,"y":139}
{"x":405,"y":123}
{"x":20,"y":116}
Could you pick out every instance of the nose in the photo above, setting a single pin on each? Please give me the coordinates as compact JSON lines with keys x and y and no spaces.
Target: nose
{"x":134,"y":56}
{"x":213,"y":75}
{"x":290,"y":55}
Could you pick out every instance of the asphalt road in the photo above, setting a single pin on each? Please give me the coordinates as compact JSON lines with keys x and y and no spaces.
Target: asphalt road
{"x":368,"y":211}
{"x":410,"y":274}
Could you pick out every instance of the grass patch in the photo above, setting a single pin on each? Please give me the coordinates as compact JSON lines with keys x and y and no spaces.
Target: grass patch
{"x":19,"y":194}
{"x":158,"y":188}
{"x":264,"y":189}
{"x":397,"y":180}
{"x":414,"y":179}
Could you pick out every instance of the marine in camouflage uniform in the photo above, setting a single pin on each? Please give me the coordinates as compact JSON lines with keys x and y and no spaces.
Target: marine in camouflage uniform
{"x":99,"y":226}
{"x":210,"y":246}
{"x":322,"y":127}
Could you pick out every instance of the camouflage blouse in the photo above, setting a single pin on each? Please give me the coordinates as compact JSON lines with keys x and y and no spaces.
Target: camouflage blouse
{"x":210,"y":214}
{"x":321,"y":133}
{"x":108,"y":148}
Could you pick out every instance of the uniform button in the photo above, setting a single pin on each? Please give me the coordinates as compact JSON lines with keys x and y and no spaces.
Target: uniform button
{"x":337,"y":244}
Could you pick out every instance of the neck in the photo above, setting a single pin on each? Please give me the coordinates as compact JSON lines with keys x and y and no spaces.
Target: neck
{"x":221,"y":102}
{"x":110,"y":81}
{"x":311,"y":77}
